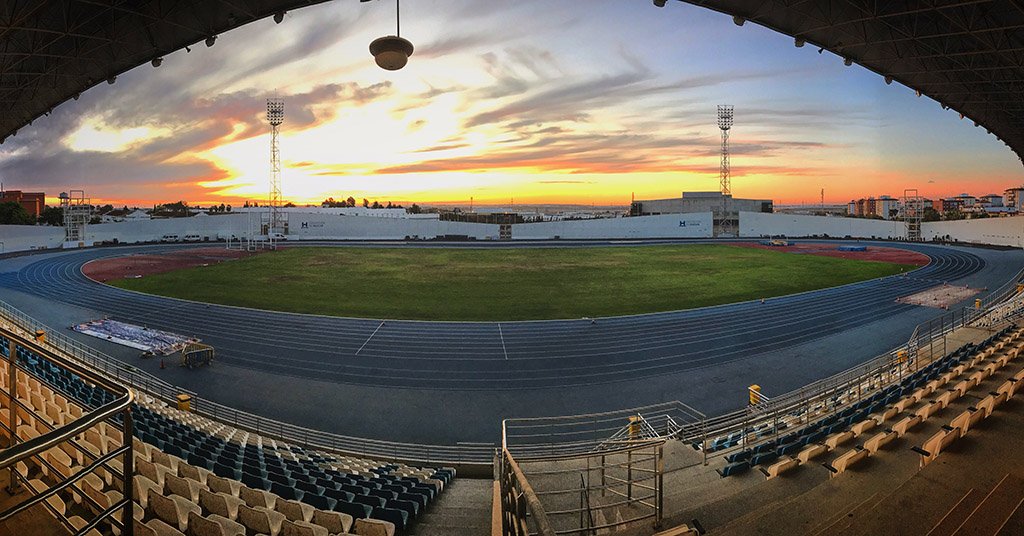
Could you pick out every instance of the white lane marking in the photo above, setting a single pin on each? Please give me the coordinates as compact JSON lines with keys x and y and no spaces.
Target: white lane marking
{"x":370,"y":337}
{"x":502,"y":335}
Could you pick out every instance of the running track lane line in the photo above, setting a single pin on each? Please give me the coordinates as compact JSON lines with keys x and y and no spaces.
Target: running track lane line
{"x":502,"y":335}
{"x":370,"y":337}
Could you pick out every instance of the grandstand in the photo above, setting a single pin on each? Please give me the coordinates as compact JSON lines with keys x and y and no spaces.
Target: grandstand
{"x":922,"y":439}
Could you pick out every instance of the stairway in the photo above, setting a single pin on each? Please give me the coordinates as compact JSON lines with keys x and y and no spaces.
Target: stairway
{"x":993,"y":515}
{"x":463,"y":509}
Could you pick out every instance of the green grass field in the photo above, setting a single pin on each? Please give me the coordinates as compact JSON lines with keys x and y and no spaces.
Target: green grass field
{"x":505,"y":284}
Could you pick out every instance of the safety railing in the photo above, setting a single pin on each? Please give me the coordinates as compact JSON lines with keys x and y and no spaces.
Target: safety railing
{"x":29,"y":446}
{"x":414,"y":453}
{"x":522,"y":513}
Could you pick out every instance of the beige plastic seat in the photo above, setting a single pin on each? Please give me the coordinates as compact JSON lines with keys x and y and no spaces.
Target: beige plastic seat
{"x":176,"y":485}
{"x":140,"y":489}
{"x":294,"y":510}
{"x":833,"y":441}
{"x":223,"y":485}
{"x":152,"y":471}
{"x":54,"y":501}
{"x":260,"y":520}
{"x":936,"y":444}
{"x":374,"y":527}
{"x":302,"y":528}
{"x":784,"y":464}
{"x":159,"y":528}
{"x":810,"y":452}
{"x":213,"y":525}
{"x":257,"y":497}
{"x":334,"y":522}
{"x":847,"y":460}
{"x":160,"y":457}
{"x":198,"y":474}
{"x":60,"y":460}
{"x":80,"y":523}
{"x":172,"y":509}
{"x":877,"y":441}
{"x":221,"y":504}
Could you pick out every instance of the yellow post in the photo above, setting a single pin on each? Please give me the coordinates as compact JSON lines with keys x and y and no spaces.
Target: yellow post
{"x":184,"y":402}
{"x":634,"y":427}
{"x":40,"y":336}
{"x":754,"y":391}
{"x":1020,"y":288}
{"x":977,"y":303}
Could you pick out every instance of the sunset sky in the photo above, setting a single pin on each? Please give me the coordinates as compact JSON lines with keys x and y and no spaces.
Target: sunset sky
{"x":534,"y":99}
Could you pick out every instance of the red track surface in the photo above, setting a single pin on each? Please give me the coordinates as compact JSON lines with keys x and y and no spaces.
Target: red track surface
{"x":104,"y":270}
{"x":873,"y":253}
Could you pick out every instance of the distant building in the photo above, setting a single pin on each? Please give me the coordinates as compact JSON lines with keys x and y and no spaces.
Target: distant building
{"x":691,"y":202}
{"x":32,"y":202}
{"x":951,"y":204}
{"x":992,"y":200}
{"x":1013,"y":199}
{"x":884,"y":207}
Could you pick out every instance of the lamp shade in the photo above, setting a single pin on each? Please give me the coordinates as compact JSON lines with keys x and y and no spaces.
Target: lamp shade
{"x":391,"y":52}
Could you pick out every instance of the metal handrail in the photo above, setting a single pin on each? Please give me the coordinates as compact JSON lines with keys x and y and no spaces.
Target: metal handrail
{"x":519,"y":502}
{"x":19,"y":452}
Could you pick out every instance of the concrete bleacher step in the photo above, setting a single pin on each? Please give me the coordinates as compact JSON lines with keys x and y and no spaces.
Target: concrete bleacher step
{"x":1015,"y":523}
{"x":463,"y":508}
{"x":989,"y":517}
{"x":957,"y":514}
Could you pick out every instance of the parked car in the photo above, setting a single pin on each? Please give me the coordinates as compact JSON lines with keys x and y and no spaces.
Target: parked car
{"x":193,"y":238}
{"x":169,"y":238}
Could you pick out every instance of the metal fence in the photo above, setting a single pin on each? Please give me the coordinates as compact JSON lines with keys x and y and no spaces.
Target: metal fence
{"x":30,"y":446}
{"x":460,"y":455}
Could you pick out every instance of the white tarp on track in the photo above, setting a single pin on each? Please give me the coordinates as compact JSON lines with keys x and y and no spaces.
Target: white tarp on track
{"x":142,"y":338}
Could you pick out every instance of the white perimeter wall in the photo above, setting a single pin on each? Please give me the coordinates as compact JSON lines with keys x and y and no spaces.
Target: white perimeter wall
{"x":302,"y":226}
{"x":756,"y":224}
{"x":696,"y":225}
{"x":996,"y":231}
{"x":25,"y":237}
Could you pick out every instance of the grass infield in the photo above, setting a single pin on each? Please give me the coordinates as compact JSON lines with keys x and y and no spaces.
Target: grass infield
{"x":505,"y":284}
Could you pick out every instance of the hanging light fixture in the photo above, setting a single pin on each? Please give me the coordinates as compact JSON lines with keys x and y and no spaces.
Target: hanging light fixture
{"x":391,"y":52}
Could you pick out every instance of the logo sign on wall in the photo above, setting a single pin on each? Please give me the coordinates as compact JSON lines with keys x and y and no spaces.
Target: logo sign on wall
{"x":312,"y":224}
{"x":683,"y":223}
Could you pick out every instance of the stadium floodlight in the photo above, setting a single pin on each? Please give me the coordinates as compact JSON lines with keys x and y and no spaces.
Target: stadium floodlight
{"x":274,"y":111}
{"x":392,"y":52}
{"x":111,"y":80}
{"x":157,"y":62}
{"x":211,"y":40}
{"x":799,"y":42}
{"x":738,"y":20}
{"x":279,"y":17}
{"x":888,"y":80}
{"x":848,"y":62}
{"x":660,"y":3}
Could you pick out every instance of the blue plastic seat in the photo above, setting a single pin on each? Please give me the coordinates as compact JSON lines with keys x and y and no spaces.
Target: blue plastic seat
{"x":398,"y":517}
{"x":354,"y":509}
{"x":319,"y":501}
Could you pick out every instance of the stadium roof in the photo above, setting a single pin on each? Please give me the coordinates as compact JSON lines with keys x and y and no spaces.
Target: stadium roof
{"x":966,"y":54}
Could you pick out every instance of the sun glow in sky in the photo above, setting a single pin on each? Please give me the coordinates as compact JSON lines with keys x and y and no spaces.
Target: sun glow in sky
{"x":535,"y":100}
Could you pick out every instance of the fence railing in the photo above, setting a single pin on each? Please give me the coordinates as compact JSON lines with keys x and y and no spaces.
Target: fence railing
{"x":522,"y":513}
{"x":27,"y":444}
{"x":462,"y":455}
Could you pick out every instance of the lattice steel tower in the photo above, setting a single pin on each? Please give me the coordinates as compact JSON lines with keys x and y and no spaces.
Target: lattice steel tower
{"x":275,"y":116}
{"x":725,"y":123}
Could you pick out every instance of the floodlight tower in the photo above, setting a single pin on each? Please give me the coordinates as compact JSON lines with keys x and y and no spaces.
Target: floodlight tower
{"x":725,"y":123}
{"x":725,"y":113}
{"x":275,"y":116}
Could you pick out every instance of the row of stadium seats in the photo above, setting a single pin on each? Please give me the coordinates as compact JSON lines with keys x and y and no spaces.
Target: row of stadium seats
{"x":239,"y":477}
{"x":826,"y":434}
